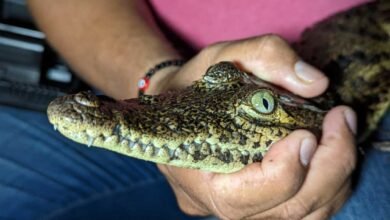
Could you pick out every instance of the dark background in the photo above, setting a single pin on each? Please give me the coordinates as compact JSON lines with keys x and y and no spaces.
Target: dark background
{"x":31,"y":73}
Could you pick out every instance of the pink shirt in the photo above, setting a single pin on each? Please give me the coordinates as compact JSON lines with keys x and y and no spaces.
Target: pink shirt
{"x":202,"y":22}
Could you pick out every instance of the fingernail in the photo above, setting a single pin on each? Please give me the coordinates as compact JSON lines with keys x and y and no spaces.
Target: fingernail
{"x":306,"y":72}
{"x":308,"y":146}
{"x":350,"y":118}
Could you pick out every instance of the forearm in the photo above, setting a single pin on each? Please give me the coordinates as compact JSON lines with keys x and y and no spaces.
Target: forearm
{"x":110,"y":44}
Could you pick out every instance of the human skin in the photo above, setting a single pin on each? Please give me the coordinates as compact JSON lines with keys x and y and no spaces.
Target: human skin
{"x":111,"y":44}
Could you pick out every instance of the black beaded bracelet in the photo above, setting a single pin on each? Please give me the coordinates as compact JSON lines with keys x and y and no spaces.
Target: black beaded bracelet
{"x":143,"y":83}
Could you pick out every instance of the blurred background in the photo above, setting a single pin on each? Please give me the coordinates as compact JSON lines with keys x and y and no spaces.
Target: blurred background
{"x":31,"y":73}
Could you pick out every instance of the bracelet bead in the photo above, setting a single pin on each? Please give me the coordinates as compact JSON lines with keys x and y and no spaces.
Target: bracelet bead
{"x":144,"y":82}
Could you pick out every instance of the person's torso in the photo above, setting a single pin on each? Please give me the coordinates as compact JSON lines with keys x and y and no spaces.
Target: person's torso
{"x":201,"y":23}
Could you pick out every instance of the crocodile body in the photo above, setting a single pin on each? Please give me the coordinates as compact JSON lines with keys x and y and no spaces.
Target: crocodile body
{"x":353,"y":49}
{"x":229,"y":119}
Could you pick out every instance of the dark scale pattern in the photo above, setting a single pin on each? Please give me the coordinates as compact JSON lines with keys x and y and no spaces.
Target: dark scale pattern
{"x":225,"y":157}
{"x":256,"y":145}
{"x":359,"y":60}
{"x":257,"y":157}
{"x":243,"y":139}
{"x":244,"y":159}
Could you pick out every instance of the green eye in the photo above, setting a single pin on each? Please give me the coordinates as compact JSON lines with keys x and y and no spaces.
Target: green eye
{"x":263,"y":101}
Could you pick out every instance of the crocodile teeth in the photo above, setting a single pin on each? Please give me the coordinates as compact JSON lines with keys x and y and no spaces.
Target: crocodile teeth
{"x":143,"y":147}
{"x":163,"y":152}
{"x":55,"y":127}
{"x":149,"y":151}
{"x":90,"y":141}
{"x":180,"y":153}
{"x":191,"y":149}
{"x":170,"y":152}
{"x":205,"y":149}
{"x":131,"y":144}
{"x":124,"y":142}
{"x":137,"y":148}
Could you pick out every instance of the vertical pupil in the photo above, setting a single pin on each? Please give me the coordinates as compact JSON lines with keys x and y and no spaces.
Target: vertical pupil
{"x":265,"y":103}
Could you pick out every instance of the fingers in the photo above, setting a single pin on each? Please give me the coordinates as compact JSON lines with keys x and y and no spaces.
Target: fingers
{"x":296,"y":178}
{"x":338,"y":149}
{"x":271,"y":58}
{"x":275,"y":61}
{"x":188,"y":203}
{"x":329,"y":209}
{"x":295,"y":175}
{"x":330,"y":168}
{"x":276,"y":179}
{"x":189,"y":187}
{"x":334,"y":160}
{"x":284,"y":166}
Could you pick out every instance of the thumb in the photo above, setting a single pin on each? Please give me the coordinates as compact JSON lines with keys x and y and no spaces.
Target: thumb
{"x":278,"y":177}
{"x":271,"y":58}
{"x":285,"y":164}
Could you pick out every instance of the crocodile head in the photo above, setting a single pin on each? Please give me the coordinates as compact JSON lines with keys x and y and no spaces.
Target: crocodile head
{"x":221,"y":123}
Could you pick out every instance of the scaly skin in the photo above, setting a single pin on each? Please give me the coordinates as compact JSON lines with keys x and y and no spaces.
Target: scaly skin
{"x":230,"y":119}
{"x":353,"y":48}
{"x":212,"y":125}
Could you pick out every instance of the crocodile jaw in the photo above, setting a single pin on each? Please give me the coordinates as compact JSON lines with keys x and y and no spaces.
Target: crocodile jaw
{"x":200,"y":152}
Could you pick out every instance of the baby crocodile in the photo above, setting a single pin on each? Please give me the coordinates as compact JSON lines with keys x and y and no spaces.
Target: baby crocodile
{"x":221,"y":123}
{"x":229,"y":118}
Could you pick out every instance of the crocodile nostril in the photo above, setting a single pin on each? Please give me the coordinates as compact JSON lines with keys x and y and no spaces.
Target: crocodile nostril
{"x":87,"y":99}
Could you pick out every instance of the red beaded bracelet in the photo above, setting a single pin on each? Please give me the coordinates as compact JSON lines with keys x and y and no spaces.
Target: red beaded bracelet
{"x":143,"y":83}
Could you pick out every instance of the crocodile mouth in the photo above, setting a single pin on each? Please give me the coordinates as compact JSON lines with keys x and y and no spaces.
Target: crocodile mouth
{"x":195,"y":154}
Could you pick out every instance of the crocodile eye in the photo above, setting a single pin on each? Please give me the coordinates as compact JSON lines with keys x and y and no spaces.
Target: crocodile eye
{"x":263,"y":101}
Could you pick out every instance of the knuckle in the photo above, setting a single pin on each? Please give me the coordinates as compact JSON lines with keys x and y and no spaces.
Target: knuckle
{"x":184,"y":207}
{"x":189,"y":209}
{"x":300,"y":134}
{"x":213,"y":53}
{"x":273,"y":38}
{"x":272,"y":42}
{"x":325,"y":212}
{"x":225,"y":210}
{"x":305,"y":133}
{"x":295,"y":209}
{"x":214,"y":48}
{"x":205,"y":52}
{"x":291,"y":185}
{"x":287,"y":180}
{"x":322,"y":214}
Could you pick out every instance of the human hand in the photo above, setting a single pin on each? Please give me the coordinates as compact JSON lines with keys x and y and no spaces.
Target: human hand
{"x":297,"y":178}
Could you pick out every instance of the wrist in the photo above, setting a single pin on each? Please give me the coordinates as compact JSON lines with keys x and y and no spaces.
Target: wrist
{"x":131,"y":64}
{"x":162,"y":80}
